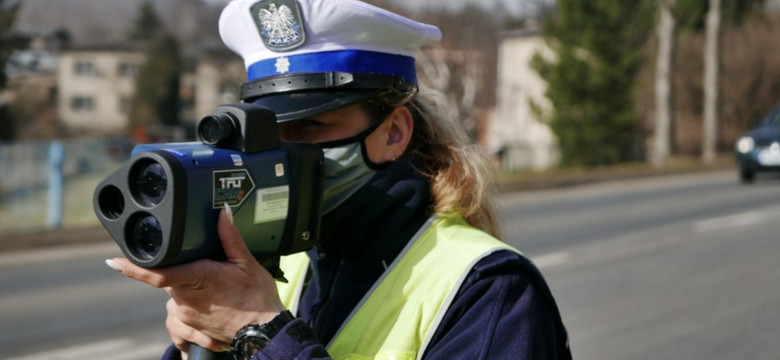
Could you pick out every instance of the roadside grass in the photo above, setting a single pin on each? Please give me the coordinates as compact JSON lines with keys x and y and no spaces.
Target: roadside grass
{"x":28,"y":212}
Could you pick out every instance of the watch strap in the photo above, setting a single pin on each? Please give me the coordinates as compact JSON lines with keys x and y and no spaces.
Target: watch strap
{"x":276,"y":324}
{"x":254,"y":337}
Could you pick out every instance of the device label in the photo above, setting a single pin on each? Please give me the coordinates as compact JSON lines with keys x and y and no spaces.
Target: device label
{"x":231,"y":187}
{"x":272,"y":204}
{"x":237,"y":160}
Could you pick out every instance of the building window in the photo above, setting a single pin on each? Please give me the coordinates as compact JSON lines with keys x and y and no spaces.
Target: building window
{"x":82,"y":103}
{"x":84,"y":68}
{"x":128,"y":70}
{"x":124,"y":104}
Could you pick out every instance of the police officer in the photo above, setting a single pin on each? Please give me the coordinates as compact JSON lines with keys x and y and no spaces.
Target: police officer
{"x":408,"y":265}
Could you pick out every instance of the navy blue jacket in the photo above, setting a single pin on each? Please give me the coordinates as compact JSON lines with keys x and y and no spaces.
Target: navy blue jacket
{"x":503,"y":310}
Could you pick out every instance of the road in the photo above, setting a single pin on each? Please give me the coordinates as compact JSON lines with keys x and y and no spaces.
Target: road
{"x":684,"y":267}
{"x":679,"y":267}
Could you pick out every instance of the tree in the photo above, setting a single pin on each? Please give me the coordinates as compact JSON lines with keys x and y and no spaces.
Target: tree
{"x":597,"y":46}
{"x":711,"y":77}
{"x":463,"y":66}
{"x":157,"y":85}
{"x":692,"y":13}
{"x":8,"y":14}
{"x":664,"y":94}
{"x":156,"y":100}
{"x":147,"y":24}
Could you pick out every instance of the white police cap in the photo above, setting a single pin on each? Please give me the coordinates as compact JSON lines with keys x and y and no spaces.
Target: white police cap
{"x":305,"y":57}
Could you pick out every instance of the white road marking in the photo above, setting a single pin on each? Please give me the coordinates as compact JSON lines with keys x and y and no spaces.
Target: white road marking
{"x":113,"y":349}
{"x":552,"y":259}
{"x":725,"y":222}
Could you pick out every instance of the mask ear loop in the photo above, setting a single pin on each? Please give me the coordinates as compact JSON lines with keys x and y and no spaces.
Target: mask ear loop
{"x":372,"y":165}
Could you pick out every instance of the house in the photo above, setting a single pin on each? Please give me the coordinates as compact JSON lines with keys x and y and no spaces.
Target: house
{"x":95,"y":88}
{"x":216,"y":81}
{"x":515,"y":134}
{"x":31,"y":88}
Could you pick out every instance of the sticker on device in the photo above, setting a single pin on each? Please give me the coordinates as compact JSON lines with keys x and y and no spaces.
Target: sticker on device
{"x":272,"y":204}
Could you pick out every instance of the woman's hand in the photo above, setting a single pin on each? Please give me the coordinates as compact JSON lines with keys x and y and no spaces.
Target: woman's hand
{"x":210,"y":300}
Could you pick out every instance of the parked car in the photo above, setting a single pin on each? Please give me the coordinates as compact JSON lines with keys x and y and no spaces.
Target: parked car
{"x":758,"y":150}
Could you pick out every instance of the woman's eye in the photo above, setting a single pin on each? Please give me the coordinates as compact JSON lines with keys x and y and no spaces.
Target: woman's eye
{"x":311,"y":123}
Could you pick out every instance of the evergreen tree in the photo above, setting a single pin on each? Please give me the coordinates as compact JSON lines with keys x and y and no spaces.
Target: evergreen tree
{"x":156,"y":100}
{"x":147,"y":24}
{"x":8,"y":14}
{"x":590,"y":81}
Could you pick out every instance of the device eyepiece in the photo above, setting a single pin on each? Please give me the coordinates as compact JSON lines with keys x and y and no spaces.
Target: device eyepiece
{"x":216,"y":129}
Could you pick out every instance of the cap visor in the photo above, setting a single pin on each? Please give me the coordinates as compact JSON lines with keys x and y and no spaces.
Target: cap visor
{"x":300,"y":105}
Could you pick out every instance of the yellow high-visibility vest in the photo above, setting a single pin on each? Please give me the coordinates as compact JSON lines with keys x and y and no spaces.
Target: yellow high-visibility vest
{"x":398,"y":316}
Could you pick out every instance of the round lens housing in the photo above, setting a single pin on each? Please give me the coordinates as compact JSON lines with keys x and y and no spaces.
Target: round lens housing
{"x":144,"y":236}
{"x":216,"y":129}
{"x":148,"y":182}
{"x":111,"y":203}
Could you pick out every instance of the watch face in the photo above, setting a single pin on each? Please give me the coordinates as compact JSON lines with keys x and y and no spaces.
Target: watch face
{"x":250,"y":345}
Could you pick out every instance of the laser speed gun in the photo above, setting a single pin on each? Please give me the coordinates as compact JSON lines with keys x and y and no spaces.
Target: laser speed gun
{"x":161,"y":205}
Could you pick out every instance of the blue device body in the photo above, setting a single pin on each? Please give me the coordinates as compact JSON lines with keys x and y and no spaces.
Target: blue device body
{"x":275,"y":196}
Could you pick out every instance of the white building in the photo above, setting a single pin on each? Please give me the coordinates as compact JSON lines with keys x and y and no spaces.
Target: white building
{"x":515,"y":134}
{"x":217,"y":81}
{"x":96,"y":88}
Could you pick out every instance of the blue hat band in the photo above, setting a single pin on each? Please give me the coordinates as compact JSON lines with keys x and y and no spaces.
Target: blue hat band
{"x":350,"y":61}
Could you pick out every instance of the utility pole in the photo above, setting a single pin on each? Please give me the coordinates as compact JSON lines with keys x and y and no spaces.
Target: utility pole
{"x":711,"y":80}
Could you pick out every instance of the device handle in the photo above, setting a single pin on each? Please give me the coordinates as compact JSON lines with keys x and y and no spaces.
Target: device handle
{"x":198,"y":353}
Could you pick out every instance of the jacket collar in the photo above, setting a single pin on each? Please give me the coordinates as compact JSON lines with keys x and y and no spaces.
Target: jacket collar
{"x":381,"y":216}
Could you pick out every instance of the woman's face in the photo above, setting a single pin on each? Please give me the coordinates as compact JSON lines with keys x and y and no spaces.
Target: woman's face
{"x":385,"y":143}
{"x":335,"y":125}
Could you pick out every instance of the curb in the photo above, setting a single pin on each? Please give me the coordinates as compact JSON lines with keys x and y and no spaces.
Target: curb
{"x":569,"y":178}
{"x":13,"y":242}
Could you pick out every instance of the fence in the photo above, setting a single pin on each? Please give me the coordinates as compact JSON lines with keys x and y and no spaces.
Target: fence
{"x":49,"y":185}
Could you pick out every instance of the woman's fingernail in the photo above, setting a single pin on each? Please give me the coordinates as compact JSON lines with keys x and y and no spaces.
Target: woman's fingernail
{"x":229,"y":212}
{"x":113,"y":264}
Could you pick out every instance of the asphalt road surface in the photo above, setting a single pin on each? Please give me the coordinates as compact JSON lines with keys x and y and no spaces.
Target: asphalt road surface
{"x":681,"y":267}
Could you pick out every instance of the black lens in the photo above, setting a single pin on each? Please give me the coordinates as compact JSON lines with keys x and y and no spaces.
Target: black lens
{"x":215,"y":129}
{"x":148,"y":182}
{"x":110,"y":202}
{"x":145,"y":237}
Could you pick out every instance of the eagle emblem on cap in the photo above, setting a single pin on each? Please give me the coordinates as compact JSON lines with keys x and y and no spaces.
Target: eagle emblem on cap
{"x":279,"y":23}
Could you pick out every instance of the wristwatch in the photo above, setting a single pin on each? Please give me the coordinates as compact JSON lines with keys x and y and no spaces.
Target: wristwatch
{"x":254,"y":337}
